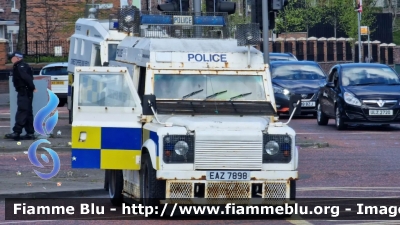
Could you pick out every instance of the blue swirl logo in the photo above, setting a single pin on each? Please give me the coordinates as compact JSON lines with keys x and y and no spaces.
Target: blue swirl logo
{"x":44,"y":123}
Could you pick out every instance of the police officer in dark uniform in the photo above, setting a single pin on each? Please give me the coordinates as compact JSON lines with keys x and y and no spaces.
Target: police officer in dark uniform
{"x":23,"y":83}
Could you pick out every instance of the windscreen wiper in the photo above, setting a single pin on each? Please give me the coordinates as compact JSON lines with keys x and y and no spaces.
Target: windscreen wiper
{"x":191,"y":94}
{"x":239,"y":96}
{"x":213,"y":95}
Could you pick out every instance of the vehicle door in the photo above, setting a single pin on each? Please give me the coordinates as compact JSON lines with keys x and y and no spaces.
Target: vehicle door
{"x":59,"y":78}
{"x":331,"y":92}
{"x":323,"y":94}
{"x":106,"y":130}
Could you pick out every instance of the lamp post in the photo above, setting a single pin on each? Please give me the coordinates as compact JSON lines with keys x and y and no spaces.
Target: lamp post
{"x":359,"y":11}
{"x":265,"y":31}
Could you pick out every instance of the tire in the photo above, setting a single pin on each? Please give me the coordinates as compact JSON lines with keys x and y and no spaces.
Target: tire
{"x":151,"y":189}
{"x":338,"y":120}
{"x":70,"y":116}
{"x":115,"y":186}
{"x":62,"y":102}
{"x":106,"y":177}
{"x":322,"y":119}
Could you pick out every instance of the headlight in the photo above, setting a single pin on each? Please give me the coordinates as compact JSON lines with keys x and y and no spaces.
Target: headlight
{"x":277,"y":148}
{"x":350,"y":99}
{"x":272,"y":148}
{"x":181,"y":148}
{"x":279,"y":90}
{"x":178,"y":149}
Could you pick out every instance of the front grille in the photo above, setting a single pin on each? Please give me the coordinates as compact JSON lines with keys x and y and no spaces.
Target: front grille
{"x":225,"y":155}
{"x":374,"y":103}
{"x":181,"y":190}
{"x":228,"y":190}
{"x":381,"y":119}
{"x":285,"y":145}
{"x":272,"y":192}
{"x":308,"y":97}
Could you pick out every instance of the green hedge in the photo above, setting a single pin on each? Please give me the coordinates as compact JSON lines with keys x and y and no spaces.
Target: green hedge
{"x":44,"y":59}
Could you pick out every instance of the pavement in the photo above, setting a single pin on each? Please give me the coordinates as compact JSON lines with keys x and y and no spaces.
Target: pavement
{"x":17,"y":174}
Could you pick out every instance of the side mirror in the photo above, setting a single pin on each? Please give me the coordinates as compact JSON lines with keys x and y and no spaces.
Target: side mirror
{"x":149,"y":102}
{"x":330,"y":85}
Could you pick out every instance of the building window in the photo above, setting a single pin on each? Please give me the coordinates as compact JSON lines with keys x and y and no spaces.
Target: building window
{"x":14,"y":6}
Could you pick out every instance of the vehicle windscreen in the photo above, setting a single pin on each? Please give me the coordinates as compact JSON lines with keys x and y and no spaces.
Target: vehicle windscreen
{"x":55,"y":71}
{"x":354,"y":76}
{"x":209,"y":87}
{"x":296,"y":72}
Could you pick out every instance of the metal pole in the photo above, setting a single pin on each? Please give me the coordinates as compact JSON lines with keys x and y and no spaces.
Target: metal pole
{"x":369,"y":48}
{"x":197,"y":6}
{"x":265,"y":31}
{"x":214,"y":6}
{"x":197,"y":11}
{"x":359,"y":38}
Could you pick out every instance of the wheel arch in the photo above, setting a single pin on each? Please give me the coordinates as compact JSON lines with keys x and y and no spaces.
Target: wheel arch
{"x":149,"y":147}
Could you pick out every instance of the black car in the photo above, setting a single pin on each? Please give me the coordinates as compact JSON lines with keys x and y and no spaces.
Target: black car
{"x":301,"y":78}
{"x":359,"y":93}
{"x":276,"y":56}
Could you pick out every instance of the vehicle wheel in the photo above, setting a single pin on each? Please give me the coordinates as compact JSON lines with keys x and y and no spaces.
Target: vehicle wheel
{"x":322,"y":119}
{"x":338,"y":120}
{"x":115,"y":186}
{"x":70,"y":116}
{"x":106,"y":183}
{"x":151,"y":189}
{"x":62,"y":102}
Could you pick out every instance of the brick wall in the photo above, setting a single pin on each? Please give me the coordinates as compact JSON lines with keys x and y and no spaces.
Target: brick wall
{"x":332,"y":49}
{"x":3,"y":53}
{"x":292,"y":35}
{"x":55,"y":12}
{"x":6,"y":6}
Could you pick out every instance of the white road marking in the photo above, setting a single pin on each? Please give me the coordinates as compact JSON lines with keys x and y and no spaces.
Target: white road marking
{"x":297,"y":220}
{"x":345,"y":188}
{"x":34,"y":221}
{"x":361,"y":132}
{"x":370,"y":222}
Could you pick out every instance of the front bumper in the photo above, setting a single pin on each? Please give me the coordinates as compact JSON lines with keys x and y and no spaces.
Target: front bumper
{"x":283,"y":101}
{"x":360,"y":115}
{"x":266,"y":185}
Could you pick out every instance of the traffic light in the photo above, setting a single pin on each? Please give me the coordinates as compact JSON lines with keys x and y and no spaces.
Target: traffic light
{"x":220,"y":6}
{"x":210,"y":6}
{"x":174,"y":6}
{"x":276,"y":5}
{"x":273,"y":6}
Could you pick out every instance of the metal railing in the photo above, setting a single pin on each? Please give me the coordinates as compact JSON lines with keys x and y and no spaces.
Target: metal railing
{"x":170,"y":24}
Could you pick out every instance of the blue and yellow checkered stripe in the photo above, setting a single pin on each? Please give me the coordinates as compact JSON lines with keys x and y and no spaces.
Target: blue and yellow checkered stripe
{"x":147,"y":134}
{"x":106,"y":148}
{"x":91,"y":89}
